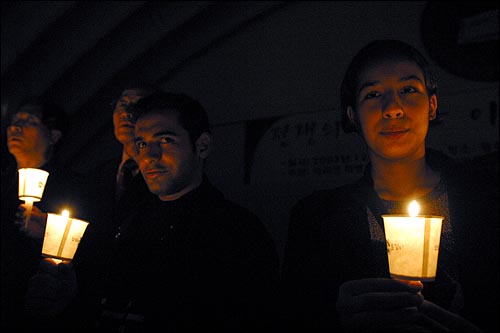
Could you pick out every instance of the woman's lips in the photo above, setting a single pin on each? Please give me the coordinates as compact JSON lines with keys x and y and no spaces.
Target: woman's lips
{"x":394,"y":133}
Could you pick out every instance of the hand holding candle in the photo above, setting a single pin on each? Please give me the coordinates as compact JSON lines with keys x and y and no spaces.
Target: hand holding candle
{"x":413,"y":244}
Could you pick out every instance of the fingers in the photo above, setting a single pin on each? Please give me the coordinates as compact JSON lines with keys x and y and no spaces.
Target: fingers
{"x":400,"y":320}
{"x":20,"y":216}
{"x":379,"y":304}
{"x":383,"y":301}
{"x":446,"y":318}
{"x":50,"y":266}
{"x":364,"y":294}
{"x":35,"y":228}
{"x":357,"y":287}
{"x":52,"y":289}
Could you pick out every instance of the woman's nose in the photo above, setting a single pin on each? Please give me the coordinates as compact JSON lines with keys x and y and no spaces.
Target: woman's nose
{"x":392,"y":107}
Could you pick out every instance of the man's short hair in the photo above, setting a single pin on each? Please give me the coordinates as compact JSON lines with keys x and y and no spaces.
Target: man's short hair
{"x":191,"y":114}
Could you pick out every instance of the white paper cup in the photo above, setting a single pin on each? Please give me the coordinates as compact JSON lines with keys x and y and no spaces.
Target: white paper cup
{"x":412,"y":246}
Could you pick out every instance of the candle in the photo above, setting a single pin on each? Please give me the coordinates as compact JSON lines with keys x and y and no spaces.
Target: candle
{"x":31,"y":185}
{"x":412,"y":244}
{"x":62,"y":236}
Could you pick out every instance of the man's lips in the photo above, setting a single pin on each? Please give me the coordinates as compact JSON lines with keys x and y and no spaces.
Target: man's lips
{"x":15,"y":138}
{"x":154,"y":173}
{"x":127,"y":125}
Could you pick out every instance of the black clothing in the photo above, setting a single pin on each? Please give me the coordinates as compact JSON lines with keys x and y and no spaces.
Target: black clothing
{"x":104,"y":214}
{"x":329,"y":242}
{"x":21,"y":254}
{"x":199,"y":263}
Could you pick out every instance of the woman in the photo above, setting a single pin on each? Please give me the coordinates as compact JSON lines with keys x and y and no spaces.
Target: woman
{"x":335,"y":270}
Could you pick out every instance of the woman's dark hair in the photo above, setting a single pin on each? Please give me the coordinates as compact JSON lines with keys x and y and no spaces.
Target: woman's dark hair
{"x":191,"y":114}
{"x":372,"y":54}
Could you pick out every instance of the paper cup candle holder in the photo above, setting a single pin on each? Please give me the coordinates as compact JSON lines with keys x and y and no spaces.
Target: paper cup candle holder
{"x":62,"y":236}
{"x":412,"y":244}
{"x":31,"y":185}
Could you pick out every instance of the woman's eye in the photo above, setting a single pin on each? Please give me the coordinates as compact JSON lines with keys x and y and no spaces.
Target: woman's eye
{"x":407,"y":90}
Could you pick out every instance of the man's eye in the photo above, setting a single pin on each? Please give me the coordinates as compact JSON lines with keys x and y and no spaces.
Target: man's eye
{"x":166,"y":139}
{"x":372,"y":94}
{"x":25,"y":122}
{"x":140,"y":144}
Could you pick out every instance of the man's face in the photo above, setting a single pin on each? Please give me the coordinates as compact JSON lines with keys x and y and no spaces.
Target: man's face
{"x":168,"y":161}
{"x":123,"y":120}
{"x":27,"y":135}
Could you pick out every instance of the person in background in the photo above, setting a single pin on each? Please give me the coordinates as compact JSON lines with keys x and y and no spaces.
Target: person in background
{"x":113,"y":188}
{"x":35,"y":130}
{"x":190,"y":260}
{"x":335,"y":270}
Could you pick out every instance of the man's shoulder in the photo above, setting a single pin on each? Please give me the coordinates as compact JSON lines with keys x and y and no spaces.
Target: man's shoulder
{"x":227,"y":213}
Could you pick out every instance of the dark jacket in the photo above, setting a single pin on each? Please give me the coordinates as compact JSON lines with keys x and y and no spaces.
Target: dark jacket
{"x":21,"y":254}
{"x":329,"y":243}
{"x":199,"y":263}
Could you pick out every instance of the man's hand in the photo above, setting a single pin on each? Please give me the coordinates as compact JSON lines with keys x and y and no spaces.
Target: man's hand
{"x":35,"y":228}
{"x":51,"y":289}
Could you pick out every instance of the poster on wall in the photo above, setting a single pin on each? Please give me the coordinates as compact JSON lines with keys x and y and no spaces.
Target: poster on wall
{"x":308,"y":148}
{"x":469,"y":125}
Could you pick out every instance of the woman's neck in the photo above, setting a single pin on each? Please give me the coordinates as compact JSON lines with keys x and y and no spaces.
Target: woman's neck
{"x":398,"y":181}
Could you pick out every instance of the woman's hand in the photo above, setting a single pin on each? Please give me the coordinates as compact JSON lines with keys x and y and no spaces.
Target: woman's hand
{"x":380,"y":304}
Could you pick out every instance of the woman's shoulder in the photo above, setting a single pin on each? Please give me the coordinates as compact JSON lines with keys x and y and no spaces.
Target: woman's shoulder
{"x":333,"y":199}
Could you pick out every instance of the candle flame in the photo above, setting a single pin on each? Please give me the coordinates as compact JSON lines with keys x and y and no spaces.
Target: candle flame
{"x":65,"y":213}
{"x":414,"y":208}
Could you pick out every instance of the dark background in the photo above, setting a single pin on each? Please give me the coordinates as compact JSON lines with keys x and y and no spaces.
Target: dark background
{"x":267,"y":72}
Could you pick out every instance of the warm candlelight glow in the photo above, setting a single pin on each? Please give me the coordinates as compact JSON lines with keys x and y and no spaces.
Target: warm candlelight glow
{"x":31,"y":185}
{"x":414,"y":208}
{"x":62,"y":236}
{"x":412,"y":244}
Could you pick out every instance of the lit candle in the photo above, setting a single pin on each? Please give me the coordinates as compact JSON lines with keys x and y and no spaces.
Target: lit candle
{"x":62,"y":236}
{"x":31,"y":185}
{"x":412,"y":244}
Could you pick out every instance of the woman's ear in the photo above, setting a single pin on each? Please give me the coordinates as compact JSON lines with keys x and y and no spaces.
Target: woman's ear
{"x":433,"y":104}
{"x":351,"y":115}
{"x":204,"y":145}
{"x":55,"y":136}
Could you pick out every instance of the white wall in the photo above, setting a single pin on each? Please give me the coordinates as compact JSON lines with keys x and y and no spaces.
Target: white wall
{"x":290,"y":65}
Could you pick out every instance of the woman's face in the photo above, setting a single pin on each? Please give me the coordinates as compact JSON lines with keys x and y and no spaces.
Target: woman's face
{"x":394,"y":110}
